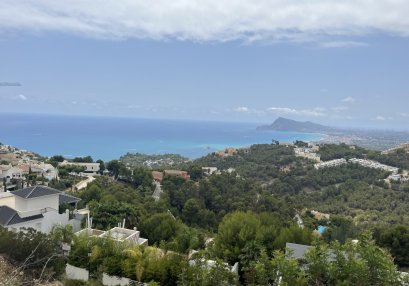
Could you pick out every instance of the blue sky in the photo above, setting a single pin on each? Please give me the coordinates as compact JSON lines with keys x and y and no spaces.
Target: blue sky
{"x":338,"y":64}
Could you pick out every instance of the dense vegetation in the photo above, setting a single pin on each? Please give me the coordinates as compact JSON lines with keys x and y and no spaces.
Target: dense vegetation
{"x":38,"y":254}
{"x":152,"y":161}
{"x":247,"y":215}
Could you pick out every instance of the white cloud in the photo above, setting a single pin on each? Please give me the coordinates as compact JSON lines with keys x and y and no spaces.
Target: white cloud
{"x":340,"y":108}
{"x":21,"y":97}
{"x":316,"y":112}
{"x":349,"y":99}
{"x":342,"y":44}
{"x":242,"y":109}
{"x":380,"y":118}
{"x":210,"y":20}
{"x":404,"y":114}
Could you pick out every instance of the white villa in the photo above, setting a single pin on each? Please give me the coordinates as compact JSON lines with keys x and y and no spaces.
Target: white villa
{"x":37,"y":207}
{"x":10,"y":172}
{"x":90,"y":168}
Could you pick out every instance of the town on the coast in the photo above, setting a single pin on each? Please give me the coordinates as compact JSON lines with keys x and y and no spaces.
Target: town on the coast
{"x":155,"y":210}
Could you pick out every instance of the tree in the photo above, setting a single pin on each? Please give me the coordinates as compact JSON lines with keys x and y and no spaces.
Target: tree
{"x":92,"y":193}
{"x":54,"y":160}
{"x":101,"y":165}
{"x":201,"y":274}
{"x":190,"y":212}
{"x":235,"y":231}
{"x":293,"y":234}
{"x":87,"y":159}
{"x":396,"y":239}
{"x":195,"y":172}
{"x":142,"y":177}
{"x":114,"y":167}
{"x":61,"y":233}
{"x":159,"y":227}
{"x":361,"y":263}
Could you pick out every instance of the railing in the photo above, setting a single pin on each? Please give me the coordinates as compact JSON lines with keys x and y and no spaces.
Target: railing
{"x":35,"y":212}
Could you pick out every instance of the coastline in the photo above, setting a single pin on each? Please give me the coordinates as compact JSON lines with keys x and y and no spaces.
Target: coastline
{"x":106,"y":139}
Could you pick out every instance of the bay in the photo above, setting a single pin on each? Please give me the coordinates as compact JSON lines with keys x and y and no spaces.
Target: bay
{"x":108,"y":138}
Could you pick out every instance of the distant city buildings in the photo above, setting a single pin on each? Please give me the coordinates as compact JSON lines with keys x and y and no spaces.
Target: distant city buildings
{"x":159,"y":176}
{"x":232,"y":151}
{"x":329,"y":164}
{"x":362,"y":162}
{"x":17,"y":164}
{"x":374,"y":165}
{"x":308,"y":153}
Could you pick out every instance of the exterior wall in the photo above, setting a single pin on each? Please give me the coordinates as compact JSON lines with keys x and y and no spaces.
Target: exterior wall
{"x":76,"y":273}
{"x":134,"y":237}
{"x":114,"y":280}
{"x":51,"y":201}
{"x":6,"y":199}
{"x":23,"y":205}
{"x":45,"y":224}
{"x":20,"y":204}
{"x":76,"y":224}
{"x":53,"y":218}
{"x":36,"y":224}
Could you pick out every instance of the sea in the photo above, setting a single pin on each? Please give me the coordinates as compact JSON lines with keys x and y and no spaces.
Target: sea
{"x":108,"y":138}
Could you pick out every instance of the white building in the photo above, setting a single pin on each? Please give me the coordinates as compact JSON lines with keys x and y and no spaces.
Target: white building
{"x":90,"y":168}
{"x":9,"y":172}
{"x":36,"y":207}
{"x":332,"y":163}
{"x":374,"y":165}
{"x":45,"y":170}
{"x":308,"y":153}
{"x":119,"y":234}
{"x":395,"y":177}
{"x":210,"y":170}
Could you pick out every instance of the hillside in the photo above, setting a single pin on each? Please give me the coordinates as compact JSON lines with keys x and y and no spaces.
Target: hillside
{"x":367,"y":138}
{"x":152,"y":161}
{"x":284,"y":124}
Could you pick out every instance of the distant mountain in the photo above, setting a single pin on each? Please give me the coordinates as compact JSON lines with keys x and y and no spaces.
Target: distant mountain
{"x":284,"y":124}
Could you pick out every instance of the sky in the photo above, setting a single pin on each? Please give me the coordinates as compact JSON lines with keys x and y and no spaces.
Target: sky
{"x":340,"y":63}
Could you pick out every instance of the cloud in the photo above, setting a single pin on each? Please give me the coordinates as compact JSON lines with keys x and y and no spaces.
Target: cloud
{"x":340,"y":108}
{"x":380,"y":118}
{"x":322,"y":21}
{"x":21,"y":97}
{"x":404,"y":114}
{"x":242,"y":109}
{"x":349,"y":99}
{"x":316,"y":112}
{"x":342,"y":44}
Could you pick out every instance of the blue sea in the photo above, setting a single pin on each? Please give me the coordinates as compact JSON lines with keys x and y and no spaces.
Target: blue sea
{"x":109,"y":138}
